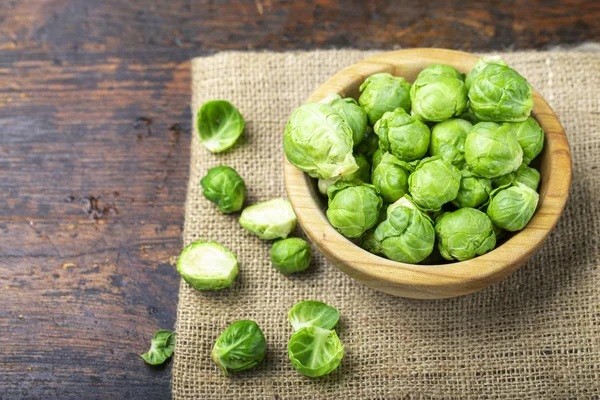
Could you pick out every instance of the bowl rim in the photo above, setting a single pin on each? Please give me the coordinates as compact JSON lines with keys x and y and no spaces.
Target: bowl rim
{"x":443,"y":280}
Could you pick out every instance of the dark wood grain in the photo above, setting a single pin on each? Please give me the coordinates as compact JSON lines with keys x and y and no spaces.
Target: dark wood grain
{"x":94,"y":144}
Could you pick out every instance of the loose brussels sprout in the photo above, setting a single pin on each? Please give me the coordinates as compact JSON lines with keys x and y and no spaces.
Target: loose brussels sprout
{"x":434,"y":183}
{"x":439,"y":92}
{"x":383,"y":92}
{"x":219,"y":125}
{"x":272,"y":219}
{"x":464,"y":234}
{"x":448,"y":141}
{"x":407,"y":235}
{"x":368,"y":242}
{"x":511,"y":208}
{"x":391,"y":178}
{"x":318,"y":141}
{"x":480,"y":65}
{"x":240,"y":347}
{"x":224,"y":187}
{"x":291,"y":255}
{"x":403,"y":135}
{"x":353,"y":207}
{"x":499,"y":93}
{"x":526,"y":175}
{"x":315,"y":351}
{"x":161,"y":347}
{"x":369,"y":145}
{"x":531,"y":138}
{"x":492,"y":150}
{"x":473,"y":192}
{"x":207,"y":266}
{"x":349,"y":110}
{"x":313,"y":313}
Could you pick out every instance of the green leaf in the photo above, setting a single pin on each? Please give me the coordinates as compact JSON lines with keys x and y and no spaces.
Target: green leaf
{"x":161,"y":347}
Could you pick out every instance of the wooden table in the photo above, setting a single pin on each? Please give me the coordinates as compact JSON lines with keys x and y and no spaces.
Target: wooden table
{"x":94,"y":151}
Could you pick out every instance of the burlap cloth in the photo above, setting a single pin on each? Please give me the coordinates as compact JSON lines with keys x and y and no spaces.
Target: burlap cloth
{"x":536,"y":335}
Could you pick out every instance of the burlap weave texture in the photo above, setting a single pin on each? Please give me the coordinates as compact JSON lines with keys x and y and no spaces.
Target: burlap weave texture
{"x":536,"y":335}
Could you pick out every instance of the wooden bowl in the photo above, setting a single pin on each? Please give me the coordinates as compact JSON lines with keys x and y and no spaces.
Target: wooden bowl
{"x":432,"y":281}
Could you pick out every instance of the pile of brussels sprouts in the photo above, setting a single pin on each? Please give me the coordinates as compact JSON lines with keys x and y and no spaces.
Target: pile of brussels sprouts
{"x":419,"y":173}
{"x":314,"y":349}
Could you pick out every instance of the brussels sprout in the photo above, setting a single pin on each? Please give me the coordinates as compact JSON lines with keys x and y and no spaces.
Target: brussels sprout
{"x":315,"y":351}
{"x":480,"y":65}
{"x":353,"y":207}
{"x":402,"y":135}
{"x":161,"y":347}
{"x":219,"y":125}
{"x":391,"y":178}
{"x":291,"y":255}
{"x":492,"y":150}
{"x":313,"y":313}
{"x":272,"y":219}
{"x":473,"y":192}
{"x":368,"y":242}
{"x":407,"y":235}
{"x":464,"y":234}
{"x":434,"y":183}
{"x":369,"y":145}
{"x":448,"y":141}
{"x":349,"y":110}
{"x":439,"y":92}
{"x":207,"y":266}
{"x":530,"y":136}
{"x":526,"y":175}
{"x":499,"y":93}
{"x":240,"y":347}
{"x":512,"y":207}
{"x":318,"y":141}
{"x":224,"y":187}
{"x":383,"y":92}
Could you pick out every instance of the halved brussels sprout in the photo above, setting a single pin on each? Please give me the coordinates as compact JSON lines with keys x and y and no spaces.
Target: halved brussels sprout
{"x":207,"y":266}
{"x":272,"y":219}
{"x":439,"y":92}
{"x":434,"y":183}
{"x":407,"y":235}
{"x":492,"y":150}
{"x":511,"y":208}
{"x":315,"y":351}
{"x":240,"y":347}
{"x":313,"y":313}
{"x":353,"y":207}
{"x":403,"y":135}
{"x":526,"y":175}
{"x":291,"y":255}
{"x":499,"y":93}
{"x":391,"y":178}
{"x":464,"y":234}
{"x":219,"y":125}
{"x":369,"y":145}
{"x":349,"y":110}
{"x":383,"y":92}
{"x":448,"y":141}
{"x":474,"y":191}
{"x":530,"y":136}
{"x":480,"y":65}
{"x":224,"y":187}
{"x":161,"y":347}
{"x":318,"y":141}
